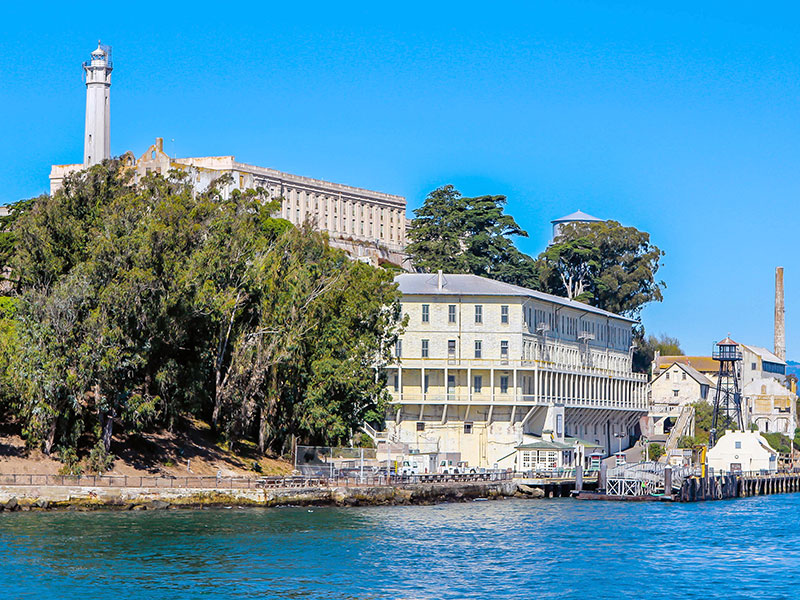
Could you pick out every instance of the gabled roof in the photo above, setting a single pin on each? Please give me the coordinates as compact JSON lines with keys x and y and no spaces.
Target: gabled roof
{"x":690,"y":371}
{"x":542,"y":445}
{"x":765,"y":354}
{"x":704,"y":364}
{"x":474,"y":285}
{"x":578,"y":215}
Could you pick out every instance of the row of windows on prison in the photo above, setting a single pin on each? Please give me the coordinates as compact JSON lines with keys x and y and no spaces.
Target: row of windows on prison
{"x":346,"y":216}
{"x":425,"y":349}
{"x":541,"y":321}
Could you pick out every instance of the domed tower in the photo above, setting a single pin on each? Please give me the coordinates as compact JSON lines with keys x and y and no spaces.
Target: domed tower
{"x":728,"y":398}
{"x":97,"y":144}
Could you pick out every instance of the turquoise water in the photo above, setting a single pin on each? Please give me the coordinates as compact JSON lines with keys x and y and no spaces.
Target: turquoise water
{"x":562,"y":549}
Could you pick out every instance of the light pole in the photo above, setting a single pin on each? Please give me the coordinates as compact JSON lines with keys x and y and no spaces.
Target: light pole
{"x":619,"y":435}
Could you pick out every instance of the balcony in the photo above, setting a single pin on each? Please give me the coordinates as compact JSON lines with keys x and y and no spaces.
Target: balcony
{"x":504,"y":364}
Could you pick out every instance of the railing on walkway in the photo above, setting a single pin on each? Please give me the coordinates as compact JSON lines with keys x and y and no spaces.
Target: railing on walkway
{"x":231,"y":483}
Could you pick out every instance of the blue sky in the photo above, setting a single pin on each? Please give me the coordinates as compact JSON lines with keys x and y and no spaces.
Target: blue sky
{"x":681,"y":121}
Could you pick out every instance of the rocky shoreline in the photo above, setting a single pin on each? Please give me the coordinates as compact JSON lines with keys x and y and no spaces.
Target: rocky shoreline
{"x":28,"y":498}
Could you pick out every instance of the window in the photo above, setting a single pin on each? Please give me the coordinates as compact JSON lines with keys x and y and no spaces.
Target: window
{"x":738,"y":445}
{"x":426,"y":313}
{"x":467,"y":428}
{"x":504,"y":384}
{"x":683,"y":376}
{"x":504,"y":350}
{"x":420,"y":426}
{"x":451,"y":313}
{"x":675,"y":393}
{"x":478,"y":348}
{"x":504,"y":314}
{"x":477,"y":384}
{"x":479,"y":313}
{"x":425,"y":384}
{"x":396,"y":383}
{"x":398,"y":348}
{"x":451,"y":349}
{"x":667,"y":376}
{"x":425,"y":348}
{"x":753,"y":366}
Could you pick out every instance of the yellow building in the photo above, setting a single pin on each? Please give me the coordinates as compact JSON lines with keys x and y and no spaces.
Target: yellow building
{"x":485,"y":366}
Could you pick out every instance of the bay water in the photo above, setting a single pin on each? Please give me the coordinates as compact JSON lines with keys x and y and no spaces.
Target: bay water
{"x":565,"y":549}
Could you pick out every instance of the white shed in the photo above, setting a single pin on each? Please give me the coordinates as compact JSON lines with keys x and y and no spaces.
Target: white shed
{"x":742,"y":451}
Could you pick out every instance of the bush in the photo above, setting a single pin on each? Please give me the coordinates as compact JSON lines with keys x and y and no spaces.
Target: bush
{"x":363,"y":441}
{"x":100,"y":460}
{"x":686,"y":441}
{"x":72,"y":464}
{"x":779,"y":442}
{"x":656,"y":451}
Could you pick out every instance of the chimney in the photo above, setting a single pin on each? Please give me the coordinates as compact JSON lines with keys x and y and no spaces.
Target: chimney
{"x":440,"y":280}
{"x":780,"y":319}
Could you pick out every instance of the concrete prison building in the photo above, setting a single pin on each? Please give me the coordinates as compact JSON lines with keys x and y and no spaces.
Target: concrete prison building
{"x":485,"y":366}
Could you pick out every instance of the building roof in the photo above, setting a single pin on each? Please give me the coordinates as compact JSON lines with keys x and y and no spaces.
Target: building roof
{"x":573,"y":441}
{"x":704,"y":364}
{"x":542,"y":445}
{"x":474,"y":285}
{"x":690,"y":371}
{"x":578,"y":215}
{"x":727,"y":342}
{"x":764,"y":354}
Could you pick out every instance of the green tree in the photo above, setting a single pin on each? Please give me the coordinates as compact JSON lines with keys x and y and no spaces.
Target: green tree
{"x":604,"y":264}
{"x":140,"y":303}
{"x":655,"y":450}
{"x":645,"y":348}
{"x":469,"y":235}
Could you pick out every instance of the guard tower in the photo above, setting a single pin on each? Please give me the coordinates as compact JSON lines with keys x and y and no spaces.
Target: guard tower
{"x":728,"y":399}
{"x":97,"y":144}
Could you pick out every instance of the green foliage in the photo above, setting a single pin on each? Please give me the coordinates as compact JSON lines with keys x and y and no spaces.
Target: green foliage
{"x":686,"y":441}
{"x":604,"y":264}
{"x":363,"y":441}
{"x":655,"y":450}
{"x":469,"y":235}
{"x":645,"y":348}
{"x":71,"y":462}
{"x":99,"y":460}
{"x":139,"y":303}
{"x":779,"y":442}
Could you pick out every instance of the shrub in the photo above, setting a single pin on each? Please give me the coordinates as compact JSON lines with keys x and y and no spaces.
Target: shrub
{"x":100,"y":460}
{"x":72,"y":464}
{"x":656,"y":451}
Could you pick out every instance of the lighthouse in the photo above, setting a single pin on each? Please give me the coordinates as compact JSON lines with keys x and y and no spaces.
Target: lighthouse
{"x":96,"y":144}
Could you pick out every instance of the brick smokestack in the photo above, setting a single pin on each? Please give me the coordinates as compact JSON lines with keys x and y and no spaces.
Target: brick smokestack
{"x":780,"y":317}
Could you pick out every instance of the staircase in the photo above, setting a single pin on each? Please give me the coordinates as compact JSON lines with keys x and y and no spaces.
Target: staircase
{"x":678,"y":431}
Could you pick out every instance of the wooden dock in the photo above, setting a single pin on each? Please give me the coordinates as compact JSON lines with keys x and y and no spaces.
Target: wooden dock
{"x":722,"y":487}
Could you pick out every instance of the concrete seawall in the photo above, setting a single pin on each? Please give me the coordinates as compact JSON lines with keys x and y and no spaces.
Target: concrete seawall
{"x":29,"y":497}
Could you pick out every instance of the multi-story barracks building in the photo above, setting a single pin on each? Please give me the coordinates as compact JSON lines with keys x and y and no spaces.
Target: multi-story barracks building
{"x":485,"y":366}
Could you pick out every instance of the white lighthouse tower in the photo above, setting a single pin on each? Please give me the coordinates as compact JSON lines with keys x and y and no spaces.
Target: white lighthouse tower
{"x":97,"y":144}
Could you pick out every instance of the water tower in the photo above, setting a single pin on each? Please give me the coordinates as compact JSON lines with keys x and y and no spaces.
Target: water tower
{"x":728,"y":399}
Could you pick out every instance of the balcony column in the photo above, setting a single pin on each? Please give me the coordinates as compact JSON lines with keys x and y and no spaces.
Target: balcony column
{"x":400,"y":381}
{"x":422,"y":383}
{"x":469,"y":384}
{"x":491,"y":381}
{"x":515,"y":386}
